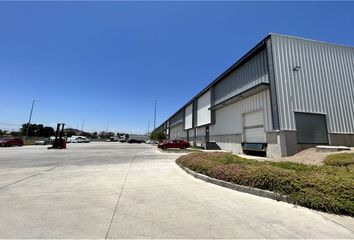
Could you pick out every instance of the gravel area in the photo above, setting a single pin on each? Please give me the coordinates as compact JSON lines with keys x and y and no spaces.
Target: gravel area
{"x":310,"y":156}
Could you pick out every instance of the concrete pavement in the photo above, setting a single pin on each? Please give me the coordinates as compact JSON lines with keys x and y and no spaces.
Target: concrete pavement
{"x":114,"y":190}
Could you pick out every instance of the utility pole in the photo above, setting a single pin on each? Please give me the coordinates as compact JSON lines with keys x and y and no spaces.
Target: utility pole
{"x":155,"y":115}
{"x":148,"y":127}
{"x":82,"y":125}
{"x":30,"y":117}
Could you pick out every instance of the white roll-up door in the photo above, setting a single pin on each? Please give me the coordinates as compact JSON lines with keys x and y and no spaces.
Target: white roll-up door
{"x":203,"y":112}
{"x":254,"y":127}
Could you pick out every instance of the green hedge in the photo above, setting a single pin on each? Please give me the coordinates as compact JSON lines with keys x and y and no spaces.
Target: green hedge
{"x":340,"y":159}
{"x":325,"y":188}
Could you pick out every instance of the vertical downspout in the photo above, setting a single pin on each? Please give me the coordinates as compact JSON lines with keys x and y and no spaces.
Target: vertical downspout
{"x":194,"y":117}
{"x":272,"y":85}
{"x":274,"y":97}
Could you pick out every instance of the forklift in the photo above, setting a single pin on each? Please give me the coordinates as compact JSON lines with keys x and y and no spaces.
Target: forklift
{"x":59,"y":142}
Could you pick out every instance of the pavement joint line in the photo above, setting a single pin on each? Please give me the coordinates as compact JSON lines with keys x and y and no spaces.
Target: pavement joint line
{"x":58,"y":192}
{"x":23,"y":179}
{"x":120,"y":194}
{"x":334,"y":221}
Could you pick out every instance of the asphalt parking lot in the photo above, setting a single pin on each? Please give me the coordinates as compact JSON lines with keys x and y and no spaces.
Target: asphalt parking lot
{"x":115,"y":190}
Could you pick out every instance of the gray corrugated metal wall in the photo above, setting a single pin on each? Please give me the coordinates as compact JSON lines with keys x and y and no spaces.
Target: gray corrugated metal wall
{"x":229,"y":119}
{"x":177,"y":118}
{"x":253,"y":72}
{"x":176,"y":132}
{"x":324,"y":83}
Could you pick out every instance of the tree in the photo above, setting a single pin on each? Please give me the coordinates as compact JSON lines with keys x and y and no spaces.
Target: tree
{"x":37,"y":130}
{"x":3,"y":132}
{"x":14,"y":133}
{"x":70,"y":132}
{"x":48,"y":131}
{"x":104,"y":134}
{"x":158,"y":134}
{"x":94,"y":135}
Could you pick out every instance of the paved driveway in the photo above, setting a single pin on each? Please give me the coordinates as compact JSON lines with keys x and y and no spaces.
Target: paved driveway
{"x":114,"y":190}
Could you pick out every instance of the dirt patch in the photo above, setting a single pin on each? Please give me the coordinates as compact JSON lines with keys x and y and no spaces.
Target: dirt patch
{"x":309,"y":156}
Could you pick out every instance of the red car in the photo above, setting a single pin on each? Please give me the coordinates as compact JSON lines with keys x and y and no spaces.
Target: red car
{"x":174,"y":144}
{"x":8,"y":142}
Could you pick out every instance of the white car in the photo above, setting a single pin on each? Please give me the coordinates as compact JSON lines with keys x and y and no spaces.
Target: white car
{"x":77,"y":139}
{"x":71,"y":140}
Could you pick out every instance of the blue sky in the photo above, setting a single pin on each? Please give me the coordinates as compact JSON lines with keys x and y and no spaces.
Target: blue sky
{"x":107,"y":62}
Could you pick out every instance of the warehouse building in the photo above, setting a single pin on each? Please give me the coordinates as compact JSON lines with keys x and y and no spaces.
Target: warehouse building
{"x":285,"y":95}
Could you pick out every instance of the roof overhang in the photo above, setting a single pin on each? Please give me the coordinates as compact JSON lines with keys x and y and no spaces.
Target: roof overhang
{"x":251,"y":53}
{"x":249,"y":92}
{"x":176,"y":124}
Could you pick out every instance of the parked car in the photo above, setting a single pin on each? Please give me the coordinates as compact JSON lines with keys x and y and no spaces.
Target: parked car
{"x":135,"y":141}
{"x":43,"y":142}
{"x":174,"y":144}
{"x":114,"y":139}
{"x":11,"y":141}
{"x":71,"y":140}
{"x":84,"y":140}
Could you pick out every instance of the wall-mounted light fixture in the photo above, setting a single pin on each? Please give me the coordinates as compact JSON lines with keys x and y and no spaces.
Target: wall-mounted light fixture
{"x":296,"y":68}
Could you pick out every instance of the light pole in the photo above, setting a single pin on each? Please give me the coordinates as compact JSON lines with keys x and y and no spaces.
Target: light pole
{"x":148,"y":127}
{"x":30,"y":117}
{"x":155,"y":115}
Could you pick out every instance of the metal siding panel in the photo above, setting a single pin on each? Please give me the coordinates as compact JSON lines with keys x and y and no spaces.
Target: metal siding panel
{"x":253,"y":72}
{"x":177,"y":118}
{"x":324,"y":83}
{"x":203,"y":112}
{"x":191,"y":133}
{"x":176,"y":132}
{"x":253,"y":119}
{"x":188,"y":121}
{"x":229,"y":119}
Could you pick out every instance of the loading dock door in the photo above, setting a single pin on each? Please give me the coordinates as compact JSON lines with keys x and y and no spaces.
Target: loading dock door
{"x":311,"y":128}
{"x":254,"y":127}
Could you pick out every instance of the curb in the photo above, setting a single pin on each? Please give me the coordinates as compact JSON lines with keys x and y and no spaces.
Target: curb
{"x":240,"y":188}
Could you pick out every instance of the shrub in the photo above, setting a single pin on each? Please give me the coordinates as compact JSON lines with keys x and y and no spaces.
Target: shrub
{"x":340,"y":159}
{"x":158,"y":134}
{"x":325,"y":188}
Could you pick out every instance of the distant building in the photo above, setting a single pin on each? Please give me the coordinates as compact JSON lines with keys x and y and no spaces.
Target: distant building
{"x":139,"y":137}
{"x":286,"y":94}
